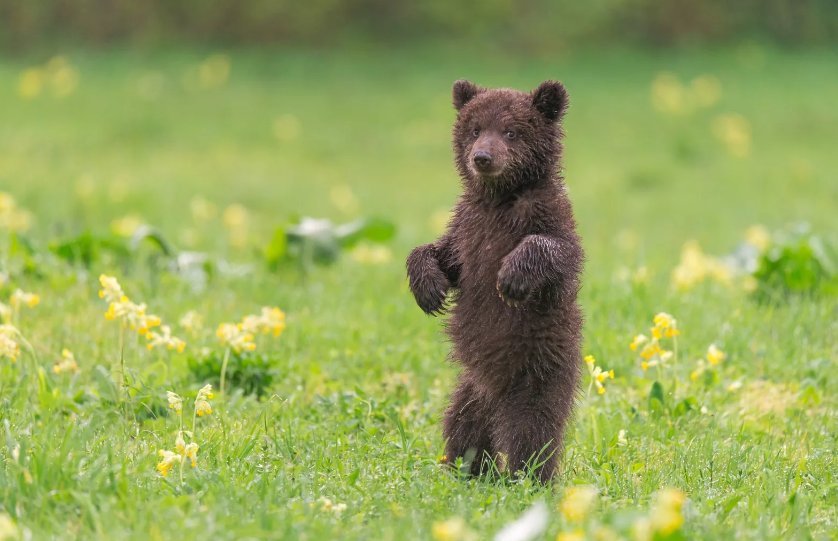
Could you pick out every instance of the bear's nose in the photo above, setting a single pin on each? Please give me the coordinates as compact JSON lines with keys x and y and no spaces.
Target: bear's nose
{"x":482,"y":159}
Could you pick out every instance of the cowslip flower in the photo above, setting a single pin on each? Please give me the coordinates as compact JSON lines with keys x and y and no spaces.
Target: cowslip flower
{"x":598,"y":375}
{"x":271,"y":320}
{"x":165,"y":339}
{"x":666,"y":514}
{"x":453,"y":529}
{"x":638,"y":341}
{"x":578,"y":502}
{"x":168,"y":459}
{"x":111,"y":290}
{"x":22,"y":298}
{"x":202,"y":405}
{"x":328,"y":505}
{"x":715,"y":355}
{"x":175,"y":401}
{"x":665,"y":326}
{"x":187,"y":450}
{"x":651,"y":349}
{"x":9,"y":346}
{"x":235,"y":337}
{"x":192,"y":321}
{"x":67,"y":363}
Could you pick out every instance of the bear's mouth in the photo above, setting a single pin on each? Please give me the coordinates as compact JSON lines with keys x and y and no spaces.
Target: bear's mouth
{"x":486,"y":172}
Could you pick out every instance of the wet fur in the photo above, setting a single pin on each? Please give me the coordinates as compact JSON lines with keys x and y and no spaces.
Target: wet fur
{"x":508,"y":266}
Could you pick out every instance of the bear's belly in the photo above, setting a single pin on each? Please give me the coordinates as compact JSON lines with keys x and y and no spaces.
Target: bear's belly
{"x":498,"y":343}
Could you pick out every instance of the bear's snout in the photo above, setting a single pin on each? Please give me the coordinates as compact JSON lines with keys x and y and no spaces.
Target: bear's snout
{"x":487,"y":157}
{"x":482,"y":160}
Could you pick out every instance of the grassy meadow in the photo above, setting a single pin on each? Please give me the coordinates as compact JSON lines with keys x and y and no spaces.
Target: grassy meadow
{"x":216,"y":150}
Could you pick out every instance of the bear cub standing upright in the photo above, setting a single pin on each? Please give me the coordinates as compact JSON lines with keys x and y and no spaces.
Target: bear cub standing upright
{"x":512,"y":258}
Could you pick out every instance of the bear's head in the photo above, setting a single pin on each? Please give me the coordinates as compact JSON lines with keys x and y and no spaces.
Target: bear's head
{"x":505,"y":139}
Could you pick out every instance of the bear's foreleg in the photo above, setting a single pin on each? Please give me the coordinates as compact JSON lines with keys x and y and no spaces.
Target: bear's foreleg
{"x":427,"y":281}
{"x":538,"y":262}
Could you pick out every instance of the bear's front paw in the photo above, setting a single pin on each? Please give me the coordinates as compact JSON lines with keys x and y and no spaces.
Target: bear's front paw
{"x":431,"y":292}
{"x":427,"y":281}
{"x":513,"y":288}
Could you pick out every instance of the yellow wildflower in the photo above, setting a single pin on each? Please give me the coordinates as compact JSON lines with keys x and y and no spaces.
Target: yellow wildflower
{"x":20,"y":298}
{"x":30,"y":83}
{"x":269,"y":321}
{"x":734,"y":131}
{"x":127,"y":225}
{"x":165,"y":339}
{"x":668,"y":94}
{"x":145,"y":322}
{"x":180,"y":444}
{"x":578,"y":502}
{"x":453,"y":529}
{"x":5,"y":312}
{"x":202,"y":405}
{"x":328,"y":505}
{"x":9,"y":346}
{"x":637,"y":341}
{"x":695,"y":374}
{"x":202,"y":209}
{"x":706,"y":90}
{"x":187,"y":450}
{"x":598,"y":375}
{"x":192,"y":321}
{"x":372,"y":254}
{"x":622,"y":438}
{"x":273,"y":320}
{"x":175,"y":401}
{"x":666,"y":514}
{"x":168,"y":459}
{"x":191,"y":452}
{"x":665,"y":326}
{"x":234,"y":336}
{"x":67,"y":363}
{"x":715,"y":355}
{"x":8,"y":528}
{"x":575,"y":535}
{"x":651,"y":349}
{"x":111,"y":290}
{"x":758,"y":237}
{"x":12,"y":217}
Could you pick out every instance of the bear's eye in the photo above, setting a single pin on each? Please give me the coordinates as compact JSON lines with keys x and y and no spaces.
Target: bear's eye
{"x":510,"y":134}
{"x":475,"y":132}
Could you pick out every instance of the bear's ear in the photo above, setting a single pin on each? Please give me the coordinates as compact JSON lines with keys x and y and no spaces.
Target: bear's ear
{"x":550,"y":98}
{"x":463,"y":92}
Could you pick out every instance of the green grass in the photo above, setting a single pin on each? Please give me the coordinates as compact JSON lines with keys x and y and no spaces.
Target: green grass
{"x":755,"y":463}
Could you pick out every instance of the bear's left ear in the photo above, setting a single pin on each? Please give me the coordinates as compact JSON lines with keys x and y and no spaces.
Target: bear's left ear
{"x":550,"y":99}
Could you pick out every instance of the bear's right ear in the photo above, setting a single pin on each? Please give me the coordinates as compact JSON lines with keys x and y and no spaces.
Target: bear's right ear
{"x":463,"y":92}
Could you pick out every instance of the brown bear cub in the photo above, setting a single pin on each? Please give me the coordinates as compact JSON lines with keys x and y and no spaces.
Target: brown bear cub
{"x":512,"y":258}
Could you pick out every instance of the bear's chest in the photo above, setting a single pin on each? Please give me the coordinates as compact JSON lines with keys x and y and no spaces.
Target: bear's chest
{"x":487,"y":235}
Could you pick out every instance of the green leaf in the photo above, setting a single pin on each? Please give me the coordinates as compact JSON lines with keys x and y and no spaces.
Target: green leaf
{"x":371,"y":229}
{"x":155,"y":237}
{"x":277,"y":248}
{"x":656,"y":393}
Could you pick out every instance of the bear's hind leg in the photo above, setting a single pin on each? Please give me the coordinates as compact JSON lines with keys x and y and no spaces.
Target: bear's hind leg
{"x":466,"y":429}
{"x":529,"y":426}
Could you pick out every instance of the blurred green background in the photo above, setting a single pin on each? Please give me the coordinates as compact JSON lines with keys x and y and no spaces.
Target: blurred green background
{"x":700,"y":134}
{"x":540,"y":24}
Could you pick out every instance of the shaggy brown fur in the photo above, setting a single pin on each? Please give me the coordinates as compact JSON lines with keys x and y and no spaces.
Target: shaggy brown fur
{"x":512,"y":258}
